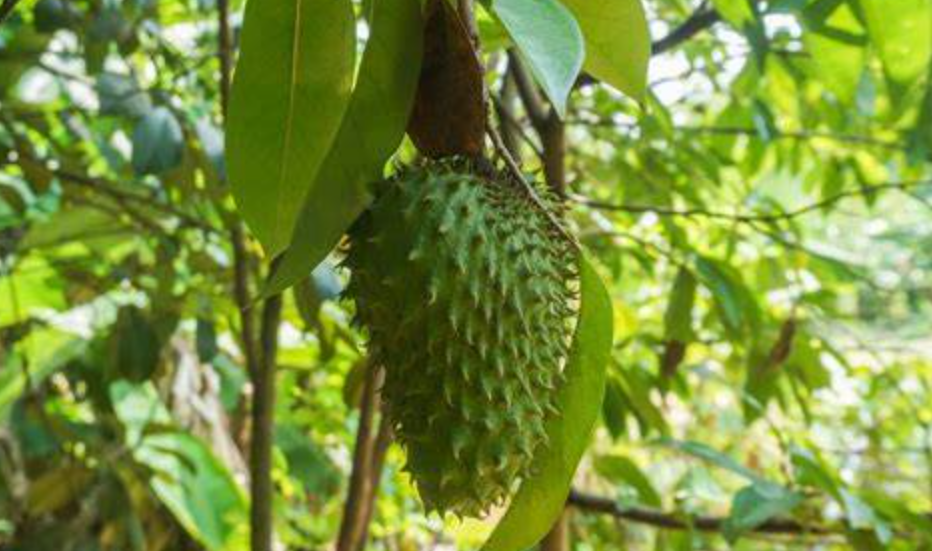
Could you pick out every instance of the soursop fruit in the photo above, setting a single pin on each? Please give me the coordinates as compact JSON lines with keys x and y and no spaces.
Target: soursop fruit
{"x":466,"y":288}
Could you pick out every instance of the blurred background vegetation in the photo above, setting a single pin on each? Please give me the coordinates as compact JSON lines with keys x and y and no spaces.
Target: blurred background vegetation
{"x":763,"y":220}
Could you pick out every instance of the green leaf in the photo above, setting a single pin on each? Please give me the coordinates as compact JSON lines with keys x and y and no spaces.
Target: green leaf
{"x":717,"y":458}
{"x":121,"y":95}
{"x":617,"y":40}
{"x":134,"y":346}
{"x":77,"y":223}
{"x":47,"y":350}
{"x":372,"y":129}
{"x":902,"y":35}
{"x":757,"y":503}
{"x":158,"y":142}
{"x":677,"y":320}
{"x":836,"y":42}
{"x":737,"y":12}
{"x":290,"y":92}
{"x":619,"y":468}
{"x":540,"y":498}
{"x":736,"y":305}
{"x":189,"y":480}
{"x":550,"y":39}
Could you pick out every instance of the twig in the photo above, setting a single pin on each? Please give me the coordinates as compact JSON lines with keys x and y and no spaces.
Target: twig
{"x":224,"y":52}
{"x":547,"y":123}
{"x":751,"y":218}
{"x":700,"y":20}
{"x":754,"y":133}
{"x":703,"y":523}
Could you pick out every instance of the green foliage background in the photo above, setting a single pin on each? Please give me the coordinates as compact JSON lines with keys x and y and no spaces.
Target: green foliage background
{"x":760,"y":213}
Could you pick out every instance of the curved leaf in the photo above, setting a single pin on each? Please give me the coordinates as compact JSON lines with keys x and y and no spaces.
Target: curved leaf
{"x":617,"y":42}
{"x":290,"y":91}
{"x":551,"y":41}
{"x":540,"y":499}
{"x":371,"y":131}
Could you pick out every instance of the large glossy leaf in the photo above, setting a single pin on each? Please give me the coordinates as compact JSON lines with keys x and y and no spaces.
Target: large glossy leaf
{"x":541,"y":498}
{"x":371,"y":131}
{"x":290,"y":92}
{"x":549,"y":37}
{"x":902,"y":35}
{"x":617,"y":42}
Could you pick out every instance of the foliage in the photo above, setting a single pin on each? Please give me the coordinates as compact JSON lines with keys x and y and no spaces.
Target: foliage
{"x":759,"y":212}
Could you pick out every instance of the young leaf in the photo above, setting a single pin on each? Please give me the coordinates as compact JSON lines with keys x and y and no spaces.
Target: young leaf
{"x":551,"y":41}
{"x":372,"y":128}
{"x":715,"y":457}
{"x":677,"y":320}
{"x":158,"y":142}
{"x":757,"y":503}
{"x":290,"y":91}
{"x":736,"y":305}
{"x":540,"y":499}
{"x":617,"y":41}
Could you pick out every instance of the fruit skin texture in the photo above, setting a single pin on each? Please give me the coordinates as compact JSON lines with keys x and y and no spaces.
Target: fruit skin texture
{"x":465,"y":287}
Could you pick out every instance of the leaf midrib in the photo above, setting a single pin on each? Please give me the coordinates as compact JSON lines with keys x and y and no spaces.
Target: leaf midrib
{"x":289,"y":120}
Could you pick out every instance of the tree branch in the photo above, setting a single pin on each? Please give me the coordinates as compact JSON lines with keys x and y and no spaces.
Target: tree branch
{"x":751,"y":218}
{"x":700,"y":20}
{"x":558,"y":539}
{"x":263,"y":429}
{"x":546,"y":122}
{"x":754,"y":133}
{"x":363,"y":478}
{"x":671,"y":521}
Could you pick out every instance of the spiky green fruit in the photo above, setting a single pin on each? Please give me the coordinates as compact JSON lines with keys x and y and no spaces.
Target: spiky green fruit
{"x":465,"y":286}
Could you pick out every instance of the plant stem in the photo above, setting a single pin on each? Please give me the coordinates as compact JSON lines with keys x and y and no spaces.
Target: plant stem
{"x":263,"y":429}
{"x":368,"y":456}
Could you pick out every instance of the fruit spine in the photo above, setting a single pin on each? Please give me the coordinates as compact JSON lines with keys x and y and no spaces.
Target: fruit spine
{"x":465,"y":288}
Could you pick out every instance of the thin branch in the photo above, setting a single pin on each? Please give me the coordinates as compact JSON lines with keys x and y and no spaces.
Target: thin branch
{"x":702,"y":523}
{"x":224,"y":51}
{"x":124,"y":198}
{"x":700,"y":20}
{"x":533,"y":102}
{"x":546,"y":121}
{"x":751,"y":218}
{"x":801,"y":135}
{"x":367,"y":467}
{"x":503,"y":103}
{"x":558,"y":539}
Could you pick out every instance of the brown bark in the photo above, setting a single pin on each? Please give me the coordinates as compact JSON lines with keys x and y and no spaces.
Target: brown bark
{"x":559,"y":538}
{"x":263,"y":429}
{"x":368,"y":459}
{"x":546,"y":123}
